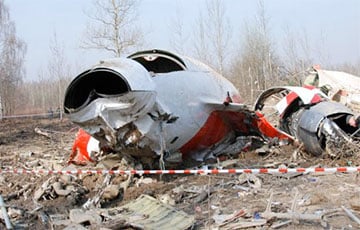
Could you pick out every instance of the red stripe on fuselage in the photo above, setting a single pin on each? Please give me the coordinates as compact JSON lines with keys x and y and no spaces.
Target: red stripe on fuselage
{"x":216,"y":128}
{"x":266,"y":128}
{"x":291,"y":97}
{"x":222,"y":123}
{"x":212,"y":132}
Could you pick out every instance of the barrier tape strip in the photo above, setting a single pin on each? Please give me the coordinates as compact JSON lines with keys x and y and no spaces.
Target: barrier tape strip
{"x":186,"y":171}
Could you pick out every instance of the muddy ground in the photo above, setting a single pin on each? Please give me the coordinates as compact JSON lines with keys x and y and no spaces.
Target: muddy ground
{"x":317,"y":201}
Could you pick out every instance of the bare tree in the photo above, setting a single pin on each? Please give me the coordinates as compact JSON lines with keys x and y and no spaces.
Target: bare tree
{"x":201,"y":44}
{"x":300,"y":54}
{"x":257,"y":65}
{"x":297,"y":56}
{"x":178,"y":37}
{"x":59,"y":70}
{"x":12,"y":52}
{"x":46,"y":93}
{"x":112,"y":27}
{"x":213,"y":35}
{"x":220,"y":34}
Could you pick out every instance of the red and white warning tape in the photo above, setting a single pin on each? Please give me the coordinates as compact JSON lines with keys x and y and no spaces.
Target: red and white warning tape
{"x":187,"y":171}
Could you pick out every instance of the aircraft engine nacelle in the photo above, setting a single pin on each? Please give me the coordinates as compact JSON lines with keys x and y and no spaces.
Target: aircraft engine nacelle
{"x":309,"y":116}
{"x":108,"y":96}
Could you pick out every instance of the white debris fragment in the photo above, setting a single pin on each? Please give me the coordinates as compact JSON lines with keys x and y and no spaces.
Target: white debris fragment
{"x":79,"y":216}
{"x":111,"y":192}
{"x":59,"y":189}
{"x":166,"y":199}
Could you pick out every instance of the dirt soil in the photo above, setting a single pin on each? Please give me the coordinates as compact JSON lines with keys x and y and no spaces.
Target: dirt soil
{"x":222,"y":201}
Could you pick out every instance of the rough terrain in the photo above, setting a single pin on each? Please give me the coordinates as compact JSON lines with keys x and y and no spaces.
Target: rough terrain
{"x":222,"y":201}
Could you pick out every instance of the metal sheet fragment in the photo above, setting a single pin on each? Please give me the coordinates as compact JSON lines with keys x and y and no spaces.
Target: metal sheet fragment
{"x":158,"y":215}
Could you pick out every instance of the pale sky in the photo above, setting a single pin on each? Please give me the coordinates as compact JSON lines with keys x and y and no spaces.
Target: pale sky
{"x":332,"y":26}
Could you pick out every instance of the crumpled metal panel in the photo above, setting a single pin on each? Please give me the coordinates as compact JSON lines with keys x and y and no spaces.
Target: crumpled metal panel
{"x":114,"y":112}
{"x":311,"y":141}
{"x":311,"y":118}
{"x":339,"y":81}
{"x":305,"y":120}
{"x":328,"y":108}
{"x":110,"y":118}
{"x":157,"y":215}
{"x":306,"y":95}
{"x":311,"y":121}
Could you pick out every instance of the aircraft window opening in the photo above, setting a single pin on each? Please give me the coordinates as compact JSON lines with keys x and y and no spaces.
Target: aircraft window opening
{"x":159,"y":65}
{"x":157,"y":61}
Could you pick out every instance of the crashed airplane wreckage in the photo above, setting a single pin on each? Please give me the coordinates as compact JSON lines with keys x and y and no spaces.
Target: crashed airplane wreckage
{"x":158,"y":107}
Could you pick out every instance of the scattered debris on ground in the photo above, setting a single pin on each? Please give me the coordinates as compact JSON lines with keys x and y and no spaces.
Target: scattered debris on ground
{"x":221,"y":201}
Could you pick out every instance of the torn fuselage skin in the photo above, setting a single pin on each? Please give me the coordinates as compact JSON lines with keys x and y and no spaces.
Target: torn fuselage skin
{"x":154,"y":104}
{"x":309,"y":116}
{"x":111,"y":108}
